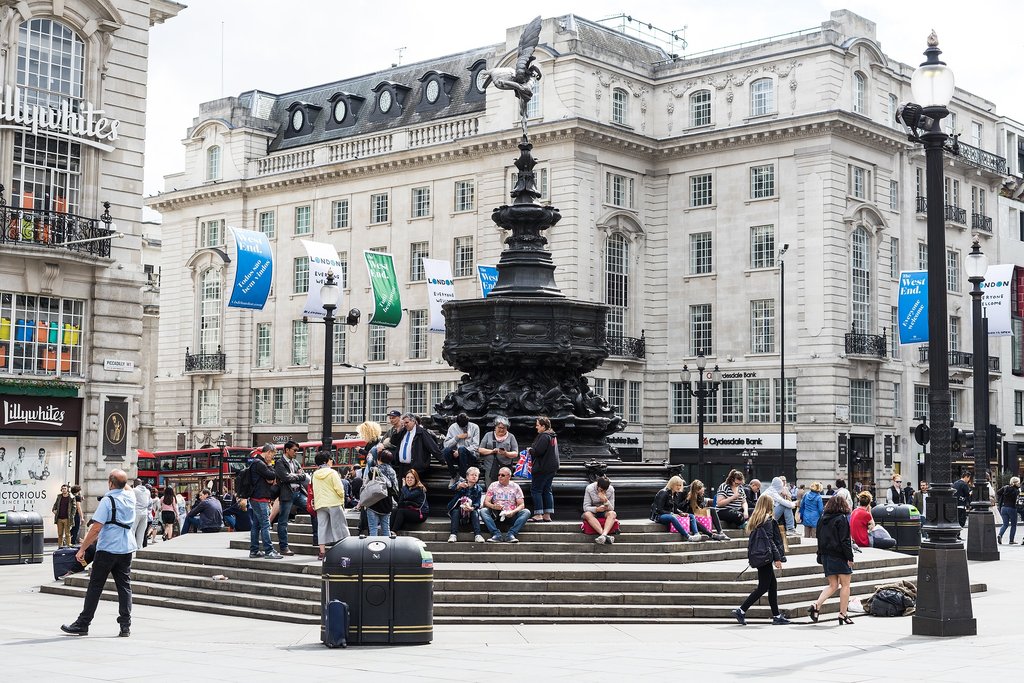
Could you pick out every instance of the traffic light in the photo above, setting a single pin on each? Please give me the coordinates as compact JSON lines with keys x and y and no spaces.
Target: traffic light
{"x":962,"y":440}
{"x":995,"y":437}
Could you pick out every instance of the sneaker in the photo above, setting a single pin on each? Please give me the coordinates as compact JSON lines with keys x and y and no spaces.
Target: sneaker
{"x":288,"y":552}
{"x":740,"y":616}
{"x":255,"y":553}
{"x":126,"y":631}
{"x":780,"y":620}
{"x":694,"y":538}
{"x":273,"y":555}
{"x":511,"y":539}
{"x":999,"y":540}
{"x":453,"y":538}
{"x":611,"y":539}
{"x":720,"y":537}
{"x":478,"y":539}
{"x":601,"y":539}
{"x":496,"y":538}
{"x":75,"y":629}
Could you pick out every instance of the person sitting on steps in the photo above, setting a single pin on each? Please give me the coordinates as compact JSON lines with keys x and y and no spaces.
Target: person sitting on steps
{"x":696,"y":506}
{"x":504,"y":500}
{"x":863,"y":528}
{"x":599,"y":509}
{"x":464,"y":507}
{"x":665,"y":510}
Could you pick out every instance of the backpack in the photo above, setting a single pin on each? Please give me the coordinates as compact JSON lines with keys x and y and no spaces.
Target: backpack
{"x":759,"y":549}
{"x":243,"y":482}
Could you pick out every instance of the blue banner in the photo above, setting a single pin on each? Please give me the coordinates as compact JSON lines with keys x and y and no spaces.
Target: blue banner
{"x":913,"y":307}
{"x":254,"y":269}
{"x":488,"y":278}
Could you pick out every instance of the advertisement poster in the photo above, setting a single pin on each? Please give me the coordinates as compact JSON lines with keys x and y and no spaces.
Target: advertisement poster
{"x":32,"y":470}
{"x":322,"y":258}
{"x":488,"y":278}
{"x":440,"y":289}
{"x":387,"y":303}
{"x":996,"y":301}
{"x":913,"y":307}
{"x":254,"y":269}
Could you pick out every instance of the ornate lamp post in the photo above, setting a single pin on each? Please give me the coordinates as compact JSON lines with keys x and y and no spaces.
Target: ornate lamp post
{"x":782,"y":363}
{"x":944,"y":592}
{"x":981,"y":526}
{"x":750,"y":456}
{"x":703,"y":391}
{"x":222,"y":445}
{"x":363,"y":368}
{"x":329,"y":294}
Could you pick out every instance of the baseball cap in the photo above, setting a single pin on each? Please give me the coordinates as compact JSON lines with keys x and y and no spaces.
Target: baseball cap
{"x":394,"y":413}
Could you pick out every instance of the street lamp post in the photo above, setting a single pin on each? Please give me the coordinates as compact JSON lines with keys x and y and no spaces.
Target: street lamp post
{"x":750,"y":456}
{"x":701,"y":393}
{"x":944,"y":591}
{"x":329,"y":294}
{"x":981,"y":526}
{"x":222,"y":445}
{"x":782,"y":363}
{"x":363,"y":368}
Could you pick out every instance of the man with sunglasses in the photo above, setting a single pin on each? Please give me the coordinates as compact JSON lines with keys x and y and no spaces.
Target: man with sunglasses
{"x":897,"y":495}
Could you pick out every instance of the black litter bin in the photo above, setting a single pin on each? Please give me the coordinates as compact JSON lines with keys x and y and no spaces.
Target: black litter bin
{"x":903,"y":522}
{"x":21,"y":538}
{"x":388,"y":584}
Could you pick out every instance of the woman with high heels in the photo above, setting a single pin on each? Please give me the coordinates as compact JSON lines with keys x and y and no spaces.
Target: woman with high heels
{"x":835,"y":555}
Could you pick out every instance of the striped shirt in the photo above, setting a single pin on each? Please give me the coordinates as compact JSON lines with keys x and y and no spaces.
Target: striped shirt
{"x":726,"y":490}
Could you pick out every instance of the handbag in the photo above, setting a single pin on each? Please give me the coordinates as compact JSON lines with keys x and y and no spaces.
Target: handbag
{"x":374,"y":490}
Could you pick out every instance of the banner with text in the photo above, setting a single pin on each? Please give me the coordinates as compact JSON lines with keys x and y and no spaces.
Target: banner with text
{"x":488,"y":278}
{"x":254,"y":269}
{"x":32,"y":469}
{"x":440,"y":288}
{"x":996,"y":300}
{"x":322,"y":258}
{"x":913,"y":306}
{"x":387,"y":303}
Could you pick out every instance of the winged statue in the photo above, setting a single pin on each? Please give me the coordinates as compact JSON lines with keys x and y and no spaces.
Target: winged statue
{"x":523,"y":78}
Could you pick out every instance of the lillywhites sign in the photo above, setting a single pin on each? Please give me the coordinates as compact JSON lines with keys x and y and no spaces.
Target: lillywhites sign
{"x":79,"y":122}
{"x":15,"y":413}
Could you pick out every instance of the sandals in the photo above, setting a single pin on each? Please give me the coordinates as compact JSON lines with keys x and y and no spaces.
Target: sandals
{"x":813,"y":612}
{"x":843,"y":619}
{"x":536,"y":518}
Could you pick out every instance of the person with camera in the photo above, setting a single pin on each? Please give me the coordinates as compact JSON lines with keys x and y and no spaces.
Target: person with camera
{"x":263,"y":484}
{"x":291,"y":491}
{"x":731,"y":500}
{"x":498,"y":448}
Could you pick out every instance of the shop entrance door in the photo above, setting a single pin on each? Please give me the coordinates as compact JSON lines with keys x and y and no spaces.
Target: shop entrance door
{"x":862,"y":465}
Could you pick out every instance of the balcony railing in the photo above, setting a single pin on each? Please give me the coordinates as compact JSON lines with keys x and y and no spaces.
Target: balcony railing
{"x":955,"y":214}
{"x":205,"y":362}
{"x":627,"y":347}
{"x":866,"y":344}
{"x":979,"y":158}
{"x":961,"y":359}
{"x":55,"y":229}
{"x":981,"y":222}
{"x":922,"y":204}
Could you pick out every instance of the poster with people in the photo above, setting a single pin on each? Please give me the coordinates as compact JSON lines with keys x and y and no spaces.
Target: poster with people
{"x":32,"y":470}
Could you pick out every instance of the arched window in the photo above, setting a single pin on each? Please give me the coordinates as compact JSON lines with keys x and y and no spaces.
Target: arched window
{"x":620,"y":106}
{"x":860,"y":93}
{"x":209,"y":311}
{"x":47,"y":169}
{"x":860,"y":270}
{"x":616,"y":287}
{"x":700,"y":108}
{"x":213,"y":163}
{"x":762,"y":97}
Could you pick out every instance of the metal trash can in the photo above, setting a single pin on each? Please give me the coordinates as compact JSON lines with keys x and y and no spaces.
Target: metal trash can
{"x":903,"y":522}
{"x":388,"y":584}
{"x":21,"y":538}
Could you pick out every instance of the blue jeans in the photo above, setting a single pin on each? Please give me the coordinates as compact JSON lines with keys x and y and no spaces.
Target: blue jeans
{"x":459,"y":465}
{"x":1009,"y":516}
{"x":456,"y":516}
{"x":186,"y":525}
{"x":375,"y":520}
{"x":786,"y":514}
{"x":283,"y":513}
{"x":259,"y":514}
{"x":488,"y":515}
{"x":540,"y":491}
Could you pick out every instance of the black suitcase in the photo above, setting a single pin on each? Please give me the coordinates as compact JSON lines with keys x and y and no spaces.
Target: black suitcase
{"x":336,"y":624}
{"x":64,"y":561}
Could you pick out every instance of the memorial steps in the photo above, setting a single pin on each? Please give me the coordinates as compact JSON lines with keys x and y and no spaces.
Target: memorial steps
{"x":554,"y":574}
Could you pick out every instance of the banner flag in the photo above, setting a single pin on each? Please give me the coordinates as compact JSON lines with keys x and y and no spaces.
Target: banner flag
{"x":440,"y":288}
{"x":254,"y":269}
{"x":913,"y":306}
{"x":488,"y":278}
{"x":322,"y":258}
{"x":387,"y":303}
{"x":995,"y":299}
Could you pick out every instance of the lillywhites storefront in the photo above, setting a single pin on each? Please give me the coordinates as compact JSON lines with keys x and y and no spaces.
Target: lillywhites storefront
{"x":39,"y":438}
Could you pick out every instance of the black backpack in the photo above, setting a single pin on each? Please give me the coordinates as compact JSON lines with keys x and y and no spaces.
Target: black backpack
{"x":243,"y":482}
{"x":759,"y":549}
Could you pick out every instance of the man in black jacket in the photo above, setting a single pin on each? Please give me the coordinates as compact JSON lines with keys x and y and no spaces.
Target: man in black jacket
{"x":290,"y":479}
{"x":962,"y":487}
{"x":263,"y":494}
{"x":896,"y":494}
{"x":414,"y":449}
{"x":208,"y":514}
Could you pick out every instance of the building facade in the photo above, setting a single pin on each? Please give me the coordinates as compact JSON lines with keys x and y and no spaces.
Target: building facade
{"x":679,"y":181}
{"x":71,"y":157}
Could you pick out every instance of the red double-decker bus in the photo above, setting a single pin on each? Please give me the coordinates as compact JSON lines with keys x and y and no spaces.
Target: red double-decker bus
{"x":346,"y":452}
{"x":192,"y":468}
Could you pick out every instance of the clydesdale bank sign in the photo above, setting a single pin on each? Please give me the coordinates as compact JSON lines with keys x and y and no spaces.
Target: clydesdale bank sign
{"x":73,"y":120}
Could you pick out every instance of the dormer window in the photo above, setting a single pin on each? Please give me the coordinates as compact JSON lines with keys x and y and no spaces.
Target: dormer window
{"x":344,"y":110}
{"x":432,"y":91}
{"x":298,"y":120}
{"x":436,"y":91}
{"x":391,"y":98}
{"x":475,"y":92}
{"x":384,"y":101}
{"x":301,"y":117}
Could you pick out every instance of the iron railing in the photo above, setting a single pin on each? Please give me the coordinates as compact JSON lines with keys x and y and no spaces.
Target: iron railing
{"x":205,"y":362}
{"x":55,"y":229}
{"x":979,"y":158}
{"x":922,"y":204}
{"x":955,"y":214}
{"x":627,"y":347}
{"x":866,"y":344}
{"x":981,"y":222}
{"x":961,"y":359}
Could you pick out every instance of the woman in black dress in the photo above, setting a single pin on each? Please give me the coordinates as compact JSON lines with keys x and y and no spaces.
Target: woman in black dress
{"x":835,"y":555}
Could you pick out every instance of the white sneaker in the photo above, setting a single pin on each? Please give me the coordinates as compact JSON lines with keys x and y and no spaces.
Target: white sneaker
{"x":601,"y":539}
{"x":478,"y":539}
{"x":611,"y":539}
{"x":693,"y":538}
{"x":720,"y":537}
{"x":453,"y":538}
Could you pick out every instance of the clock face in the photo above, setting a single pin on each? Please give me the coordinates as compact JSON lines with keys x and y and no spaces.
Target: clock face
{"x":433,"y":90}
{"x":298,"y":118}
{"x":480,"y":80}
{"x":384,"y":102}
{"x":340,"y":109}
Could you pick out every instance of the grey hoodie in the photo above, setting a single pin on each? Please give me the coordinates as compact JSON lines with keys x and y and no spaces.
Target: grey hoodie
{"x":775,"y":493}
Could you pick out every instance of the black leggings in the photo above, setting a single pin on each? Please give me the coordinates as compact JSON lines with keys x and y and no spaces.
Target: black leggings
{"x":404,"y":517}
{"x":766,"y":583}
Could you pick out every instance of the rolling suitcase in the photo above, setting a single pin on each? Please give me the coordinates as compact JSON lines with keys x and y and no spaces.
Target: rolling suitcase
{"x":64,"y":561}
{"x":336,"y":624}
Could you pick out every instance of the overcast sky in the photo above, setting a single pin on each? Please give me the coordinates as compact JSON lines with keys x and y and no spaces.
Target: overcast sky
{"x":282,"y":46}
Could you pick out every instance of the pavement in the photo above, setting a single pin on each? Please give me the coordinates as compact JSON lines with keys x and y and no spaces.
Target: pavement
{"x":207,"y":645}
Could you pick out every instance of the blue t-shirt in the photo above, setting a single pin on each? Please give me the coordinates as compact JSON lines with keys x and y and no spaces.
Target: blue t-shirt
{"x":113,"y":538}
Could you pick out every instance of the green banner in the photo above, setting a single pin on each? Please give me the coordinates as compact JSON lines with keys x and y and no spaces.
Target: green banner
{"x":387,"y":310}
